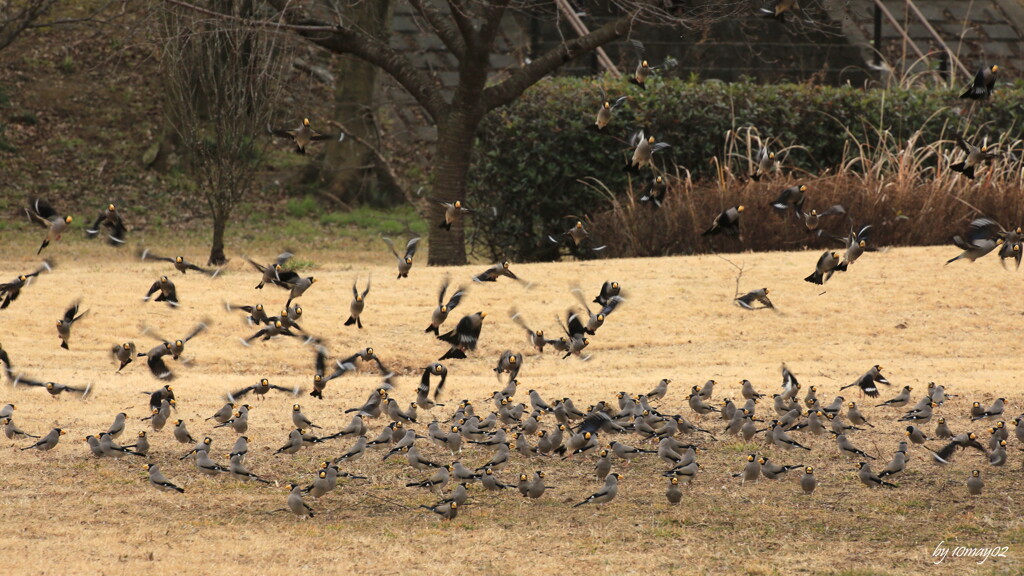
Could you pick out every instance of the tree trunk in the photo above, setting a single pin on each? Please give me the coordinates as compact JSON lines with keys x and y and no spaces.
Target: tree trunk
{"x":220,"y":222}
{"x":345,"y":164}
{"x":454,"y":148}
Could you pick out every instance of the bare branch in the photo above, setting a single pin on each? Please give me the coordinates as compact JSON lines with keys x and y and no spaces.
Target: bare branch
{"x":20,"y":17}
{"x":443,"y":28}
{"x":382,"y":163}
{"x":464,"y":23}
{"x":510,"y":89}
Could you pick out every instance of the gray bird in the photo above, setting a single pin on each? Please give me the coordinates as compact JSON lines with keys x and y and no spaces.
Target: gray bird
{"x":869,"y":478}
{"x":537,"y":487}
{"x":604,"y":114}
{"x":773,"y":471}
{"x":983,"y":85}
{"x":993,"y":411}
{"x":446,"y":510}
{"x":357,"y":450}
{"x":856,"y":418}
{"x":916,"y":435}
{"x":141,"y":443}
{"x":674,"y":494}
{"x":765,"y":165}
{"x":998,"y":456}
{"x":112,"y":449}
{"x":294,"y":442}
{"x":900,"y":399}
{"x":206,"y":465}
{"x":868,"y":380}
{"x":12,"y":431}
{"x":751,"y":471}
{"x":791,"y":197}
{"x":605,"y":494}
{"x":727,"y":222}
{"x":981,"y":239}
{"x":159,"y":481}
{"x":404,"y":262}
{"x":47,"y":442}
{"x":644,"y":149}
{"x":357,"y":305}
{"x":303,"y":136}
{"x":270,"y":272}
{"x":896,"y":465}
{"x":453,"y":212}
{"x":823,"y":270}
{"x":856,"y":244}
{"x":976,"y":156}
{"x":181,"y":433}
{"x":64,"y":325}
{"x":975,"y":483}
{"x":847,"y":448}
{"x":224,"y":414}
{"x":759,"y":295}
{"x":807,"y":481}
{"x":295,"y":503}
{"x":117,"y":426}
{"x":813,"y":218}
{"x":124,"y":354}
{"x":42,"y":213}
{"x":490,"y":481}
{"x":437,"y":481}
{"x":942,"y":430}
{"x":261,"y":389}
{"x":299,"y":419}
{"x":440,"y":314}
{"x":238,"y":471}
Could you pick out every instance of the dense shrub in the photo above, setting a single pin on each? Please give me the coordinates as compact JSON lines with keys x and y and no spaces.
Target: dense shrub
{"x":540,"y":167}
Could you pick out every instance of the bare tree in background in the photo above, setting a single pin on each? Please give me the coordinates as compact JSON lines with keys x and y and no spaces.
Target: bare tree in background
{"x":222,"y":77}
{"x":469,"y":30}
{"x":16,"y":16}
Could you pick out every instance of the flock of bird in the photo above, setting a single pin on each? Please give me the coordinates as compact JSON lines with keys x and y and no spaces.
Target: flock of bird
{"x":641,"y":424}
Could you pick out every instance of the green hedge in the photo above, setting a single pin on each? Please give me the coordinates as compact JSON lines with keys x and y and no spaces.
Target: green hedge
{"x":530,"y":155}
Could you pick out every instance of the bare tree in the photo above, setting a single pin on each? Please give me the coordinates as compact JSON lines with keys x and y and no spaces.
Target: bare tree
{"x":16,"y":16}
{"x":222,"y":77}
{"x":469,"y":30}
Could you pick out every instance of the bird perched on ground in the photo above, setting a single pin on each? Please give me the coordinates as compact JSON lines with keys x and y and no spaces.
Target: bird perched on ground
{"x":644,"y":149}
{"x":983,"y":85}
{"x":271,"y":272}
{"x":728,"y":223}
{"x":110,"y":219}
{"x":159,"y":481}
{"x":982,"y":238}
{"x":304,"y":135}
{"x":792,"y":197}
{"x":974,"y":483}
{"x":179,"y":262}
{"x":260,"y":389}
{"x":10,"y":291}
{"x":759,"y":295}
{"x":605,"y":112}
{"x":168,"y":293}
{"x":900,"y":399}
{"x":869,"y":478}
{"x":464,"y":337}
{"x":846,"y":448}
{"x":12,"y":431}
{"x":64,"y":325}
{"x":404,"y":262}
{"x":296,"y":505}
{"x":808,"y":482}
{"x":606,"y":493}
{"x":993,"y":411}
{"x":446,"y":510}
{"x":453,"y":212}
{"x":976,"y":156}
{"x":823,"y":270}
{"x":765,"y":164}
{"x":440,"y":314}
{"x":40,"y":212}
{"x":492,"y":273}
{"x":357,"y":305}
{"x":47,"y":442}
{"x":867,"y":381}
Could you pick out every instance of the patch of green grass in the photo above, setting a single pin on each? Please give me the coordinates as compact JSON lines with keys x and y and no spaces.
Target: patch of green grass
{"x":25,"y":118}
{"x":302,"y":207}
{"x":400,"y":222}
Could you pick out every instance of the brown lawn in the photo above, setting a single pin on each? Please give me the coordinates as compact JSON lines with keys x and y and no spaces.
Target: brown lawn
{"x":66,"y":512}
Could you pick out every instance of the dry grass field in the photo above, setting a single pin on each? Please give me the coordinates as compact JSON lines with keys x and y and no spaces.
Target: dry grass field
{"x":66,"y":512}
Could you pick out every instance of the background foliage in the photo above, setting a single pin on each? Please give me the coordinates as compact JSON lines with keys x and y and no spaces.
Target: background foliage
{"x":881,"y":153}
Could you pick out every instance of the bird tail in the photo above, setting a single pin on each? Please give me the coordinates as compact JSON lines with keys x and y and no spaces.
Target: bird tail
{"x":445,"y":225}
{"x":814,"y":278}
{"x":958,"y":167}
{"x":453,"y":353}
{"x":969,"y":172}
{"x":433,"y":329}
{"x":351,"y":320}
{"x":843,"y":266}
